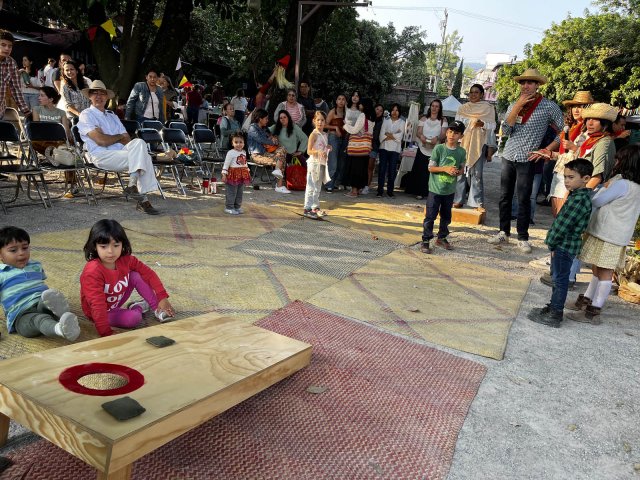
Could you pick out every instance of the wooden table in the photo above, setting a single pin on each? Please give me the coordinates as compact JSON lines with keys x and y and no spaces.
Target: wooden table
{"x":215,"y":364}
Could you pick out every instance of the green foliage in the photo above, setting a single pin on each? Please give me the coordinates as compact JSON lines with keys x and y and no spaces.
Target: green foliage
{"x":457,"y":84}
{"x":597,"y":53}
{"x":443,"y":60}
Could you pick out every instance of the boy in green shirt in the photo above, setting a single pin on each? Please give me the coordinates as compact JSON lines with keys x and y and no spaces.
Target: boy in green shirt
{"x":446,"y":163}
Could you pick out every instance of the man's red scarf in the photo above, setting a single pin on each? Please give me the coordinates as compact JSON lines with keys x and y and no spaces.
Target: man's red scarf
{"x":528,"y":109}
{"x":573,"y":134}
{"x":590,"y":142}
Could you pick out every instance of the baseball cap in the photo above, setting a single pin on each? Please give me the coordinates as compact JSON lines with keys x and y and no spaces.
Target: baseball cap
{"x":457,"y":126}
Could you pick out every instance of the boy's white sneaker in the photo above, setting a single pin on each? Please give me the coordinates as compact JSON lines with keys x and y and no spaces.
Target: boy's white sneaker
{"x":54,"y":300}
{"x":282,"y":189}
{"x":365,"y":190}
{"x":277,"y":173}
{"x":231,"y":211}
{"x":524,"y":246}
{"x":499,"y":239}
{"x":68,"y":327}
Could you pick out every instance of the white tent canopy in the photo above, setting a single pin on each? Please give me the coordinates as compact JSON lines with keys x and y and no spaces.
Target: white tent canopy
{"x":450,"y":106}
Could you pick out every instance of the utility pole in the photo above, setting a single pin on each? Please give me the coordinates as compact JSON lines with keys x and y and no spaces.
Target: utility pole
{"x":443,"y":25}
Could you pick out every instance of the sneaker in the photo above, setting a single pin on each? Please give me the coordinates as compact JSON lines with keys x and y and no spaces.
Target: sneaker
{"x":141,"y":304}
{"x":580,"y":303}
{"x":329,"y":190}
{"x":391,"y":195}
{"x":319,"y":213}
{"x":547,"y":280}
{"x":230,"y":211}
{"x":590,"y":315}
{"x":444,"y":243}
{"x":282,"y":189}
{"x":132,"y":192}
{"x":68,"y":326}
{"x":55,"y":302}
{"x":425,"y":248}
{"x":341,"y":187}
{"x":379,"y":195}
{"x":524,"y":246}
{"x":162,"y":316}
{"x":364,"y":191}
{"x":499,"y":239}
{"x":310,"y":214}
{"x":546,"y":316}
{"x":239,"y":211}
{"x":147,"y":208}
{"x":457,"y":205}
{"x":277,"y":173}
{"x":419,"y":197}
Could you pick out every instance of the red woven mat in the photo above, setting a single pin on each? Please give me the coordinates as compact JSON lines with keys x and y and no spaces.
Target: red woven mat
{"x":390,"y":409}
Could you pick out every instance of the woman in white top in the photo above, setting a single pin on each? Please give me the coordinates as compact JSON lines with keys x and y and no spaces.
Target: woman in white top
{"x":390,"y":147}
{"x":295,"y":109}
{"x":240,"y":103}
{"x":431,"y":131}
{"x":73,"y":101}
{"x":479,"y":141}
{"x":356,"y":168}
{"x":29,"y":82}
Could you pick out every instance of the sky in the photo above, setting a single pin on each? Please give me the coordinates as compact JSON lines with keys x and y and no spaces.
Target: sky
{"x":489,"y":26}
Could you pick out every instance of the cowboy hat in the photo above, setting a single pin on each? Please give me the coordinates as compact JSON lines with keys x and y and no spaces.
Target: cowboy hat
{"x":531,"y":74}
{"x":97,"y":85}
{"x":602,"y":111}
{"x":582,"y":97}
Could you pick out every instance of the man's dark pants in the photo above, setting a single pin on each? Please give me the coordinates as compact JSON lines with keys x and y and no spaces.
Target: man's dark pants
{"x":437,"y":204}
{"x":516,"y":177}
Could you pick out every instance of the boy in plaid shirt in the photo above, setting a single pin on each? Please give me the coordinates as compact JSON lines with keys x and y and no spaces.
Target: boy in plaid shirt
{"x":564,"y":239}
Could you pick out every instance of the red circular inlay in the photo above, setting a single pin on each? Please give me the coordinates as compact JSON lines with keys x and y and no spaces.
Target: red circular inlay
{"x":70,"y":376}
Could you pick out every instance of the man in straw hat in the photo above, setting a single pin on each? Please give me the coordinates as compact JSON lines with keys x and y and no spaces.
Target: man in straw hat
{"x":526,"y":124}
{"x":111,"y":148}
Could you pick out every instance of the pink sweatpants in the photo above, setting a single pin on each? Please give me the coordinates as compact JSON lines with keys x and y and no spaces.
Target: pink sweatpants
{"x":129,"y":318}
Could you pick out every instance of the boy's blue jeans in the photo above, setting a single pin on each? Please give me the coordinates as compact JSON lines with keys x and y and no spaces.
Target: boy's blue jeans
{"x":441,"y":204}
{"x":561,"y":262}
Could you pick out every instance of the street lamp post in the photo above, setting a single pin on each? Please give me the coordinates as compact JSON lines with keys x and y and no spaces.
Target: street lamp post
{"x":302,"y":20}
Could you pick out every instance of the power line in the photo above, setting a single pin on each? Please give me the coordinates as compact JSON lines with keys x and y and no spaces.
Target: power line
{"x":473,"y":15}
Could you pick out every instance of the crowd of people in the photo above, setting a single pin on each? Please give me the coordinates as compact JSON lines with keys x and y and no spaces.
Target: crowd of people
{"x":578,"y":160}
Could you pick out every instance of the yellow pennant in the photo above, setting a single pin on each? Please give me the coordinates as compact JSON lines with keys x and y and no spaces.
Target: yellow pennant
{"x":183,"y":81}
{"x":157,"y":22}
{"x":109,"y":27}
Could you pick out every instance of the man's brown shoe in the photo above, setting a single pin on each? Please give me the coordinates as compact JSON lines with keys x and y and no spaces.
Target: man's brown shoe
{"x":147,"y":208}
{"x":132,"y":192}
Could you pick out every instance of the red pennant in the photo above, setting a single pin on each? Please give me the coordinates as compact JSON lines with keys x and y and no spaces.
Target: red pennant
{"x":91,"y":31}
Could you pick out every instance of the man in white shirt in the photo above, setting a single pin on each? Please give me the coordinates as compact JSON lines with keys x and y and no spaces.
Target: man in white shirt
{"x":111,"y":148}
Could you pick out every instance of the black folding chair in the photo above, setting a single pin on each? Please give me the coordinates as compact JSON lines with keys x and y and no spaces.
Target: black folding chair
{"x":54,"y":132}
{"x":32,"y":174}
{"x":176,"y":139}
{"x":155,"y":124}
{"x":153,"y":138}
{"x":132,"y":127}
{"x":206,"y":147}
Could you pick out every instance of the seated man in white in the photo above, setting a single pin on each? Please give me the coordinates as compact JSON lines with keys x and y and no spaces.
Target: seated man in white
{"x":111,"y":148}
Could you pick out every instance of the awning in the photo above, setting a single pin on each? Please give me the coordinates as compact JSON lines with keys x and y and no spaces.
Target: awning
{"x":24,"y":38}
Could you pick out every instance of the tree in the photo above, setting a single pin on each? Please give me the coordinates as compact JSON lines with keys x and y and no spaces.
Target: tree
{"x":597,"y":53}
{"x":457,"y":84}
{"x":442,"y":61}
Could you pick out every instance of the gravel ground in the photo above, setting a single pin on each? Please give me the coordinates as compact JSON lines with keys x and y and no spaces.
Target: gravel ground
{"x":562,"y":404}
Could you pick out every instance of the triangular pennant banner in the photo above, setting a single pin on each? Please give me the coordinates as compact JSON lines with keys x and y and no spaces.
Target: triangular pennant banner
{"x":179,"y":65}
{"x":91,"y":32}
{"x":157,"y":22}
{"x":109,"y":27}
{"x":183,"y":81}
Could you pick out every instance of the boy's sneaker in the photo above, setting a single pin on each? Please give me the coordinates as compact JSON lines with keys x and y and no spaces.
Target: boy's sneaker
{"x":282,"y":189}
{"x":239,"y":211}
{"x":500,"y":239}
{"x":310,"y":214}
{"x":54,"y":301}
{"x":546,"y":316}
{"x":162,"y":316}
{"x":425,"y":248}
{"x":319,"y":213}
{"x":68,"y":327}
{"x":444,"y":243}
{"x":277,"y":173}
{"x":141,"y":304}
{"x":365,"y":190}
{"x":524,"y":246}
{"x":230,"y":211}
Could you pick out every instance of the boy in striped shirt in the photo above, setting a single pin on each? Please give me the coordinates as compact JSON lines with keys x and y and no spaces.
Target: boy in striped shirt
{"x":564,"y":239}
{"x":32,"y":309}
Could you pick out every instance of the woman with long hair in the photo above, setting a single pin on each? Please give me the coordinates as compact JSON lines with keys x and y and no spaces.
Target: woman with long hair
{"x":290,"y":135}
{"x":390,"y":138}
{"x":431,"y":131}
{"x":479,"y":141}
{"x":337,"y":140}
{"x":29,"y":82}
{"x":73,"y":101}
{"x":357,"y":174}
{"x":264,"y":148}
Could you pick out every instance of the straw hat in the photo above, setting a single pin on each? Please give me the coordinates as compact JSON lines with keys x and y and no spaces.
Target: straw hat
{"x":531,"y":74}
{"x":582,"y":97}
{"x":97,"y":85}
{"x":602,"y":111}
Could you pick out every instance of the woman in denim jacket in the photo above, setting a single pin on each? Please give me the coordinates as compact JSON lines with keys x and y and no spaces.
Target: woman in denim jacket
{"x":146,"y":100}
{"x":260,"y":141}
